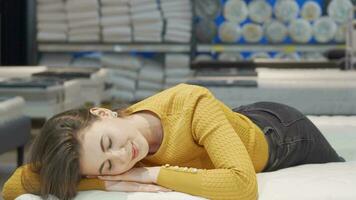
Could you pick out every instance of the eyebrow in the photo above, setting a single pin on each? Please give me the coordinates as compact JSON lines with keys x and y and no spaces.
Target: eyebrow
{"x":102,"y":148}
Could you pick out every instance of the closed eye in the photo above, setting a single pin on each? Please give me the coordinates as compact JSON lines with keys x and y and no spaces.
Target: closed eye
{"x":110,"y":143}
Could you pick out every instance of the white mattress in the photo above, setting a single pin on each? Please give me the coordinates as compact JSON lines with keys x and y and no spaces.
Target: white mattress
{"x":92,"y":89}
{"x":332,"y":181}
{"x":11,"y":108}
{"x":318,"y":92}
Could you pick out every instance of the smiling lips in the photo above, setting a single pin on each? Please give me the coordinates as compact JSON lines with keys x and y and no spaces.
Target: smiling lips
{"x":134,"y":151}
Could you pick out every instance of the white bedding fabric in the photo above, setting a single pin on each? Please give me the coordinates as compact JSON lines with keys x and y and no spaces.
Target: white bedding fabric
{"x":331,"y":181}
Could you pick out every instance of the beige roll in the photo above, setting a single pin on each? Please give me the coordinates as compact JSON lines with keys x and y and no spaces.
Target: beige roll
{"x":286,"y":10}
{"x":229,"y":32}
{"x":324,"y":29}
{"x":235,"y":10}
{"x":300,"y":30}
{"x":252,"y":32}
{"x":311,"y":11}
{"x":275,"y":31}
{"x":260,"y":11}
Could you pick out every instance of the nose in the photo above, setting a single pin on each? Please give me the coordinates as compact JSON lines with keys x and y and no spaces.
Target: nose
{"x":120,"y":155}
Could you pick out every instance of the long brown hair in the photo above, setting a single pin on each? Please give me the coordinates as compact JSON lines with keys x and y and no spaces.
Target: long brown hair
{"x":54,"y":154}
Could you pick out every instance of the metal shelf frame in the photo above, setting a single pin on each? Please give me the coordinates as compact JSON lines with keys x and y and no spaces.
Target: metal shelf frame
{"x":268,"y":47}
{"x":122,"y":48}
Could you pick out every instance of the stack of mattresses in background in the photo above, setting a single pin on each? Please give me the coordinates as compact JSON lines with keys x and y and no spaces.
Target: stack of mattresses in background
{"x":178,"y":16}
{"x":150,"y":80}
{"x":86,"y":61}
{"x":55,"y":59}
{"x":116,"y":21}
{"x":177,"y":69}
{"x":313,"y":91}
{"x":147,"y":21}
{"x":122,"y":74}
{"x":11,"y":108}
{"x":51,"y":21}
{"x":83,"y":20}
{"x":15,"y":128}
{"x":44,"y":96}
{"x":91,"y":81}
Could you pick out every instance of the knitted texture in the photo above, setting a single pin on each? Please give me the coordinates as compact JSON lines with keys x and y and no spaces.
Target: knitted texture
{"x":211,"y":151}
{"x":201,"y":132}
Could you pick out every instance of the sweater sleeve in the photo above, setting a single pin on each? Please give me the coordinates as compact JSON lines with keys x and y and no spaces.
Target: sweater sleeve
{"x":14,"y":186}
{"x":234,"y":176}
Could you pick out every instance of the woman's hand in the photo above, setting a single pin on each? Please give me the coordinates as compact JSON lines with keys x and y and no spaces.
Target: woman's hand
{"x":139,"y":175}
{"x":124,"y":186}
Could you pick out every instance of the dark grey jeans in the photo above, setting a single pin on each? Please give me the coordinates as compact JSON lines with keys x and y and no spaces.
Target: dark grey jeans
{"x":292,"y":138}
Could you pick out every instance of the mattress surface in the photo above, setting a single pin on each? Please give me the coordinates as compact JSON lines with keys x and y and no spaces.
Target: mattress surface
{"x":332,"y":181}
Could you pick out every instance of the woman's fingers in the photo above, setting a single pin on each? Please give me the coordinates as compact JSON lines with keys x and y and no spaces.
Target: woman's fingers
{"x":123,"y":186}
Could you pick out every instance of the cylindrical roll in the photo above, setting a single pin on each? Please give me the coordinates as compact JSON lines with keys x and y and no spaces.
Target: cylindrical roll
{"x":339,"y":10}
{"x":260,"y":11}
{"x":275,"y":31}
{"x":252,"y":32}
{"x":205,"y":31}
{"x":207,"y":8}
{"x":203,"y":57}
{"x":229,"y":32}
{"x":286,"y":10}
{"x":230,"y":56}
{"x":300,"y":31}
{"x":313,"y":56}
{"x":340,"y":35}
{"x":324,"y":29}
{"x":235,"y":10}
{"x":287,"y":56}
{"x":311,"y":11}
{"x":259,"y":55}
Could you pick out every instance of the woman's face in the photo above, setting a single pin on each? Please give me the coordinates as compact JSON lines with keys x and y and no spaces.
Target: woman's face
{"x":111,"y":146}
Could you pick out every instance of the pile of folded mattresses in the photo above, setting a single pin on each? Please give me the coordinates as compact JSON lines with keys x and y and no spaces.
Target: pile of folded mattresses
{"x":14,"y":126}
{"x":83,"y":20}
{"x":52,"y":22}
{"x":150,"y":79}
{"x":313,"y":91}
{"x":91,"y":81}
{"x":48,"y":91}
{"x":177,"y":69}
{"x":122,"y":74}
{"x":44,"y":96}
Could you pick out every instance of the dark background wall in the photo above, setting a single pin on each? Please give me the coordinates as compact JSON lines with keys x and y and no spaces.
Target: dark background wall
{"x":17,"y":25}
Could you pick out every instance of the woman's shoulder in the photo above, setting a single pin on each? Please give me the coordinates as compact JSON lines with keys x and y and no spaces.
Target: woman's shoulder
{"x":188,"y":87}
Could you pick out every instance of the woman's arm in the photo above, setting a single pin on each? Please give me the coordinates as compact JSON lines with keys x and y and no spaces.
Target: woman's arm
{"x":24,"y":179}
{"x":14,"y":187}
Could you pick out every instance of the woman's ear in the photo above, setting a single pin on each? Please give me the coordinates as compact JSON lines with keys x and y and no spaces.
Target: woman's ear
{"x":101,"y":112}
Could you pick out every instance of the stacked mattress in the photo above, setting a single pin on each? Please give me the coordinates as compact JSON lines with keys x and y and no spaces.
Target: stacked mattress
{"x":313,"y":91}
{"x":307,"y":182}
{"x":91,"y":81}
{"x":44,"y":96}
{"x":11,"y":108}
{"x":14,"y":126}
{"x":48,"y":91}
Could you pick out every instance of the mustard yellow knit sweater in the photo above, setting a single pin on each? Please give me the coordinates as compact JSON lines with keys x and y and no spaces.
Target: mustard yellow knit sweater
{"x":207,"y":149}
